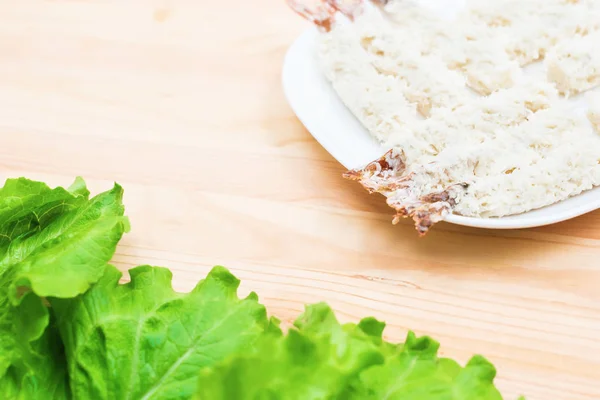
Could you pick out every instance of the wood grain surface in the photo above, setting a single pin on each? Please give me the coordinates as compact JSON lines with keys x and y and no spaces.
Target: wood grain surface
{"x":181,"y":103}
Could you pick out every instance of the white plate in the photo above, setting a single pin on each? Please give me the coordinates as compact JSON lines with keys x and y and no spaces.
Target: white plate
{"x":324,"y":115}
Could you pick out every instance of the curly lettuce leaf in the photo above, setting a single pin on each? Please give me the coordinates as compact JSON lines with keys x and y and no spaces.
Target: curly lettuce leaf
{"x":53,"y":236}
{"x":323,"y":360}
{"x":319,"y":359}
{"x":373,"y":328}
{"x":28,"y":207}
{"x":31,"y":355}
{"x":52,"y":242}
{"x":418,"y":374}
{"x":142,"y":340}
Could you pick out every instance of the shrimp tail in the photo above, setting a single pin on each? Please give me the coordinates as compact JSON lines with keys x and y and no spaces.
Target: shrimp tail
{"x":389,"y":176}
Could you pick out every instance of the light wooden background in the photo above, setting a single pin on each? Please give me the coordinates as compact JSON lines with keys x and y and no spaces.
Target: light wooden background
{"x":181,"y":103}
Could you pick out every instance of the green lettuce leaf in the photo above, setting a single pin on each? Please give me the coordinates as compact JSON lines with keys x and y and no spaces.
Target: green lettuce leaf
{"x":418,"y":374}
{"x":52,"y":242}
{"x":319,"y":359}
{"x":27,"y":207}
{"x":142,"y":340}
{"x":52,"y":236}
{"x":374,"y":330}
{"x":322,"y":360}
{"x":31,"y":356}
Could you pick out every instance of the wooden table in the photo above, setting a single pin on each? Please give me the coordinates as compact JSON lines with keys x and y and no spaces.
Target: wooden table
{"x":181,"y":103}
